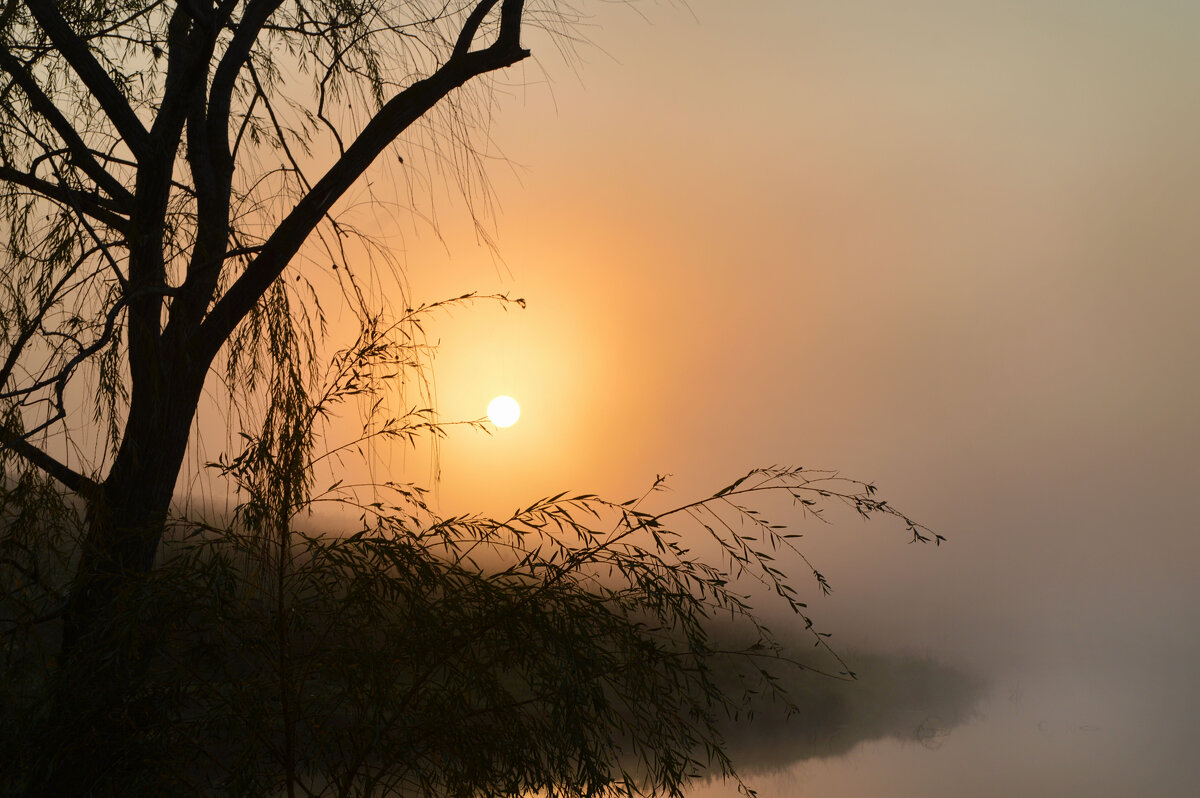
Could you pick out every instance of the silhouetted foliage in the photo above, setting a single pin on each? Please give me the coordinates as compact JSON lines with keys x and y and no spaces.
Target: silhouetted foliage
{"x":565,"y":649}
{"x":165,"y":227}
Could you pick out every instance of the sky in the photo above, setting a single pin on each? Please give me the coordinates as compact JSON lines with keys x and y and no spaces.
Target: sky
{"x":947,"y":247}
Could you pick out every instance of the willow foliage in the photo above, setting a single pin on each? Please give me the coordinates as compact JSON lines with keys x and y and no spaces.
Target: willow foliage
{"x":567,"y":649}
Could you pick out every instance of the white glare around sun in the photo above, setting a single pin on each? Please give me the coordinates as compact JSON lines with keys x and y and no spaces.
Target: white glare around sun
{"x":504,"y":411}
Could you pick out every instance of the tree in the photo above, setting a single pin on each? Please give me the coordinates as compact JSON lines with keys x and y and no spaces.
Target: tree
{"x":131,"y":130}
{"x":158,"y":179}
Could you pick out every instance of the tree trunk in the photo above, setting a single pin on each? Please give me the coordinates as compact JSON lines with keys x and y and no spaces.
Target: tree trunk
{"x":94,"y":720}
{"x":125,"y":522}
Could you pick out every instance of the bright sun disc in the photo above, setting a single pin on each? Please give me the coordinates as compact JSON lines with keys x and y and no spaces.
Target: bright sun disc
{"x":504,"y":411}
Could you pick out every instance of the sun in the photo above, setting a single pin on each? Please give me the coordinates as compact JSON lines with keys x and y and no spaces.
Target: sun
{"x":504,"y":411}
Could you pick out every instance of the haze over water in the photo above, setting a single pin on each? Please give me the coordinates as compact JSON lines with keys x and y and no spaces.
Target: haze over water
{"x":950,"y":247}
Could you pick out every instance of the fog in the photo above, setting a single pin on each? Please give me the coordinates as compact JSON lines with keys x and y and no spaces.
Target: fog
{"x":947,"y":247}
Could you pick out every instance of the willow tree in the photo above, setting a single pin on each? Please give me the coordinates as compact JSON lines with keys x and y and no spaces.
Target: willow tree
{"x":155,"y":189}
{"x":163,"y":165}
{"x":141,"y":213}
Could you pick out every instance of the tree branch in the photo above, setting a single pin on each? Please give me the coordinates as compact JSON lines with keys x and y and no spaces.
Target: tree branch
{"x":211,"y":160}
{"x":467,"y":35}
{"x":225,"y":75}
{"x":80,"y":152}
{"x":190,"y":43}
{"x":93,"y":75}
{"x":73,"y":480}
{"x":88,"y":203}
{"x":388,"y":123}
{"x":178,"y":83}
{"x":34,"y":324}
{"x":60,"y":378}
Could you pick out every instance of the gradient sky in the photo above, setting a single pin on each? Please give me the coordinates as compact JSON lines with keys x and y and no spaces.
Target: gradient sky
{"x":950,"y":247}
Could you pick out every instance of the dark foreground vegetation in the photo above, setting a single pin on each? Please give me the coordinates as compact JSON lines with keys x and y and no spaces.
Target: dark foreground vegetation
{"x":419,"y":656}
{"x":579,"y":646}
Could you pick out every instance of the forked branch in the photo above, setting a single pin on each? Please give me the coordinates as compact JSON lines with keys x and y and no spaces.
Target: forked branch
{"x":396,"y":116}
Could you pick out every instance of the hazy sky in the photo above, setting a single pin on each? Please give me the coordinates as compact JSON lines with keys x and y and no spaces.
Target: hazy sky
{"x":950,"y":247}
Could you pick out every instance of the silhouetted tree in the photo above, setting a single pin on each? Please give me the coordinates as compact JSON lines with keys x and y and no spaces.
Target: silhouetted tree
{"x":145,"y":225}
{"x":163,"y":165}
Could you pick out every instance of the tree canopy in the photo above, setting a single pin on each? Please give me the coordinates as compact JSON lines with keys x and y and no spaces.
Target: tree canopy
{"x":170,"y":173}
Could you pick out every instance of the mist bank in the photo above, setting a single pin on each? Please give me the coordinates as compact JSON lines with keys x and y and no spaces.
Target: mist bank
{"x":910,"y":700}
{"x":822,"y":702}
